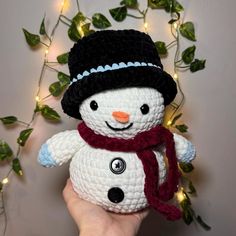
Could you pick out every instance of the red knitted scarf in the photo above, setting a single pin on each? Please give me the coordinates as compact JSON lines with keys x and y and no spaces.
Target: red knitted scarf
{"x":143,"y":144}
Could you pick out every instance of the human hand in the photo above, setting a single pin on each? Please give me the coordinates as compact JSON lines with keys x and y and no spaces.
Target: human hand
{"x":94,"y":220}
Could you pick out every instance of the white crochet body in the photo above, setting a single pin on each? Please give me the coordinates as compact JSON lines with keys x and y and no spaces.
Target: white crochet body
{"x":90,"y":169}
{"x":92,"y":178}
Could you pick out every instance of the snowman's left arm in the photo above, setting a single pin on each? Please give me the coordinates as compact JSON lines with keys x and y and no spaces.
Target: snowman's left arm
{"x":60,"y":148}
{"x":185,"y":151}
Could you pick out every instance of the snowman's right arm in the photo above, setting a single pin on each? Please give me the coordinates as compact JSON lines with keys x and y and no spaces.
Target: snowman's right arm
{"x":60,"y":148}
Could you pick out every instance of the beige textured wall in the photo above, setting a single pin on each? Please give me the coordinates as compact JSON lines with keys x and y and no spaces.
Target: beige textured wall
{"x":34,"y":204}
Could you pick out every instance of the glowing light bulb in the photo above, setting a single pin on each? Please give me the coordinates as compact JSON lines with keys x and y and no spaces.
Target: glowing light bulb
{"x":46,"y":51}
{"x":65,"y":5}
{"x":37,"y":98}
{"x":145,"y":25}
{"x":169,"y":122}
{"x":175,"y":25}
{"x":5,"y":180}
{"x":180,"y":195}
{"x":175,"y":76}
{"x":80,"y":29}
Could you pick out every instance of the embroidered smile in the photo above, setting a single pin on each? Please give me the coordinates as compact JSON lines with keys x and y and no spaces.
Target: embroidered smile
{"x":118,"y":129}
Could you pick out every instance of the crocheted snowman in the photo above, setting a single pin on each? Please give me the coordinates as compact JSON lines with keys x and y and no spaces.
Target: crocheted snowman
{"x":122,"y":158}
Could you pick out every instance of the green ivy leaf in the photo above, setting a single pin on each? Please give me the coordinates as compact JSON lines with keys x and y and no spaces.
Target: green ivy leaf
{"x":91,"y":31}
{"x":100,"y":21}
{"x":186,"y":167}
{"x":185,"y":204}
{"x":56,"y":89}
{"x":73,"y":32}
{"x":156,"y":4}
{"x":32,"y":39}
{"x":119,"y":13}
{"x":24,"y":135}
{"x":197,"y":65}
{"x":188,"y":213}
{"x":203,"y":224}
{"x":188,"y":54}
{"x":49,"y":113}
{"x":63,"y":78}
{"x":42,"y":29}
{"x":78,"y":18}
{"x":168,"y":5}
{"x":182,"y":128}
{"x":86,"y":29}
{"x":192,"y":189}
{"x":16,"y":166}
{"x":130,"y":3}
{"x":5,"y":150}
{"x":187,"y":30}
{"x":8,"y":120}
{"x":161,"y":47}
{"x":176,"y":7}
{"x":63,"y":58}
{"x":187,"y":216}
{"x":175,"y":119}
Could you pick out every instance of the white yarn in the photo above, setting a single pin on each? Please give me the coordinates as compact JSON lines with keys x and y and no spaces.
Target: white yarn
{"x":90,"y":168}
{"x":92,"y":178}
{"x":182,"y":146}
{"x":64,"y":145}
{"x":128,"y":100}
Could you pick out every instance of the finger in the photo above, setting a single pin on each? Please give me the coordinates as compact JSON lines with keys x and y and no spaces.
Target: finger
{"x":68,"y":192}
{"x":142,"y":214}
{"x":132,"y":220}
{"x":72,"y":199}
{"x":78,"y":208}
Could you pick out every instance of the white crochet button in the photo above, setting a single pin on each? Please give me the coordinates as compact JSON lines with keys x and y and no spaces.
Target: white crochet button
{"x":117,"y":165}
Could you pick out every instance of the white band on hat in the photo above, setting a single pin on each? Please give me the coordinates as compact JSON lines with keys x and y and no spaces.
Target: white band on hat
{"x":114,"y":66}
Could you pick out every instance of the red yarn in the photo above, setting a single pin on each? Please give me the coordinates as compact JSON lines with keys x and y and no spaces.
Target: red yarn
{"x":142,"y":144}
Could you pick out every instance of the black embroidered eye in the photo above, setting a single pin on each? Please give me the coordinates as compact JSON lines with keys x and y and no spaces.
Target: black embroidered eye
{"x":93,"y":105}
{"x":144,"y":109}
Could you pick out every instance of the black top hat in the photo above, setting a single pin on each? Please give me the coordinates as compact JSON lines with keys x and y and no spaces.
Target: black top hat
{"x":112,"y":59}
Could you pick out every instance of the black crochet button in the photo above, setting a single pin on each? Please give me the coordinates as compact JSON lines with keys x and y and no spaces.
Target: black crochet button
{"x":115,"y":195}
{"x":117,"y":165}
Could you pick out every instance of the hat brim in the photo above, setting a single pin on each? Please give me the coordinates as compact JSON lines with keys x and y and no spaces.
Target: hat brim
{"x":123,"y":78}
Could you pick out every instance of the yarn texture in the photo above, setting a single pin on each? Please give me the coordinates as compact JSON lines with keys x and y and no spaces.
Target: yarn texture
{"x":122,"y":158}
{"x":142,"y":144}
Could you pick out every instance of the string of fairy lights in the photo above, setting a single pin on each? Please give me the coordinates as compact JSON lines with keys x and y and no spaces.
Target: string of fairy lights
{"x":38,"y":101}
{"x":181,"y":194}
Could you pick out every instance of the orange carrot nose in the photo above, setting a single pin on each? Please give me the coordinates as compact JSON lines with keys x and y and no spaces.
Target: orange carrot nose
{"x":121,"y":116}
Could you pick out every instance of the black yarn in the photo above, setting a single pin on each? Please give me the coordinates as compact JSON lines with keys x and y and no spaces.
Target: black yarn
{"x":105,"y":48}
{"x":110,"y":46}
